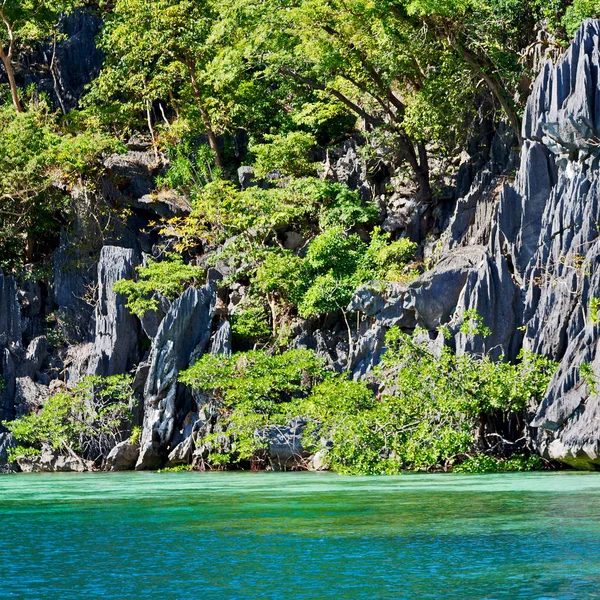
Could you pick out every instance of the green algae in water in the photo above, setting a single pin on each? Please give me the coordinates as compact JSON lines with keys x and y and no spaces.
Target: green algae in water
{"x":276,"y":535}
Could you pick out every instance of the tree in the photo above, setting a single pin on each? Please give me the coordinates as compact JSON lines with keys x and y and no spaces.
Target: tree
{"x":250,"y":389}
{"x":158,"y":52}
{"x":357,"y":55}
{"x":39,"y":161}
{"x":87,"y":420}
{"x":26,"y":22}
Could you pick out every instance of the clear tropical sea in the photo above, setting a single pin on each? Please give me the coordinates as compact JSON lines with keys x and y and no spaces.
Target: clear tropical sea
{"x":275,"y":535}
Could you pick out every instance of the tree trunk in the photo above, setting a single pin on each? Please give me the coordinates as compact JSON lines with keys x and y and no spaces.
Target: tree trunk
{"x":151,"y":129}
{"x":419,"y":165}
{"x":14,"y":92}
{"x":495,"y":88}
{"x":6,"y":59}
{"x":212,"y":137}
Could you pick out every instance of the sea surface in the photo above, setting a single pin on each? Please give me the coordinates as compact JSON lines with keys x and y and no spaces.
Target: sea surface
{"x":308,"y":535}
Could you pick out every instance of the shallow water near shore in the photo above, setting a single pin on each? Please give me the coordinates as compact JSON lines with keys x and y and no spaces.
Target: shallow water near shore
{"x":304,"y":535}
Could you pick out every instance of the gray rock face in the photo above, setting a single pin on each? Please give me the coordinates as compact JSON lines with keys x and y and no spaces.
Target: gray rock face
{"x":117,"y":330}
{"x":434,"y":296}
{"x":10,"y":315}
{"x":7,"y":441}
{"x":10,"y":344}
{"x":561,"y":276}
{"x":532,"y":250}
{"x":34,"y":357}
{"x":76,"y":63}
{"x":565,"y":104}
{"x":29,"y":395}
{"x":348,"y":167}
{"x":222,"y":340}
{"x":183,"y":336}
{"x":245,"y":176}
{"x":73,"y":273}
{"x":133,"y":172}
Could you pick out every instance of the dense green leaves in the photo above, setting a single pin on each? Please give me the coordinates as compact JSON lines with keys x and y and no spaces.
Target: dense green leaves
{"x":251,"y":387}
{"x":284,"y":154}
{"x":39,"y":162}
{"x":167,"y":277}
{"x":87,"y":420}
{"x":428,"y":414}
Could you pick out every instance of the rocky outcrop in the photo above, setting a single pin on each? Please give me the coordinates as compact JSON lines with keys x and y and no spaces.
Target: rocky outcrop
{"x":7,"y":441}
{"x":540,"y":247}
{"x":65,"y":73}
{"x":117,"y":330}
{"x":561,"y":277}
{"x":122,"y":457}
{"x":50,"y":461}
{"x":73,"y":280}
{"x":182,"y":337}
{"x":531,"y":256}
{"x":222,"y":340}
{"x":29,"y":395}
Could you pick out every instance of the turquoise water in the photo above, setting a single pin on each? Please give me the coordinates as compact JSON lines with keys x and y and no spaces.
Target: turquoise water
{"x":279,"y":536}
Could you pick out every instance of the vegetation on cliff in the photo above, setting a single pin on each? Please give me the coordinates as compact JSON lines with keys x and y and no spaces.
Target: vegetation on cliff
{"x":431,"y":410}
{"x":277,"y":87}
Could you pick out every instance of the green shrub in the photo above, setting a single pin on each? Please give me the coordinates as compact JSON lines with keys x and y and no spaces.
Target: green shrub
{"x":191,"y":166}
{"x":426,"y":418}
{"x":491,"y":464}
{"x":168,"y":277}
{"x":253,"y":388}
{"x":285,"y":153}
{"x":342,"y":206}
{"x":87,"y":420}
{"x":428,"y":415}
{"x":251,"y":321}
{"x":39,"y":162}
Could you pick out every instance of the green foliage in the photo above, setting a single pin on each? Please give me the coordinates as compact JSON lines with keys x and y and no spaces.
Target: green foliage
{"x":39,"y":162}
{"x":472,"y":324}
{"x":577,"y":11}
{"x":491,"y":464}
{"x":337,"y":263}
{"x":341,"y":411}
{"x":284,"y":153}
{"x":167,"y":277}
{"x":191,"y":166}
{"x":25,"y":23}
{"x":136,"y":435}
{"x":250,"y":321}
{"x":330,"y":268}
{"x":587,"y":373}
{"x":87,"y":420}
{"x":444,"y":101}
{"x":437,"y":400}
{"x":426,"y":418}
{"x":251,"y":387}
{"x":385,"y":260}
{"x":339,"y":205}
{"x":176,"y":469}
{"x":254,"y":216}
{"x":593,"y":308}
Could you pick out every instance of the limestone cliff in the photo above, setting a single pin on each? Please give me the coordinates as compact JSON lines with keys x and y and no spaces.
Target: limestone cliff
{"x":520,"y":246}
